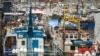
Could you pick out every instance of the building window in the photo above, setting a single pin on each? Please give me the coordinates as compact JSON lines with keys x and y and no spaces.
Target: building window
{"x":23,"y":42}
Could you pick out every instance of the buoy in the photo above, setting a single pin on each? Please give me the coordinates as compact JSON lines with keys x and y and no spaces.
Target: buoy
{"x":24,"y":49}
{"x":17,"y":50}
{"x":35,"y":49}
{"x":14,"y":51}
{"x":21,"y":49}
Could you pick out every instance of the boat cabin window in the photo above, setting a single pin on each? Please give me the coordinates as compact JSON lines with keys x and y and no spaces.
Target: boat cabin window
{"x":66,"y":35}
{"x":23,"y":42}
{"x":10,"y":41}
{"x":56,"y":27}
{"x":71,"y":35}
{"x":75,"y":36}
{"x":56,"y":31}
{"x":72,"y":47}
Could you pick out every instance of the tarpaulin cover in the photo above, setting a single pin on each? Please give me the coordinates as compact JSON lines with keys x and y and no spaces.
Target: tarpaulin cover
{"x":83,"y":49}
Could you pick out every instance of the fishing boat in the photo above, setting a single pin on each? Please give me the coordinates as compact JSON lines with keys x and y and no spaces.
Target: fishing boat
{"x":27,"y":39}
{"x":72,"y":32}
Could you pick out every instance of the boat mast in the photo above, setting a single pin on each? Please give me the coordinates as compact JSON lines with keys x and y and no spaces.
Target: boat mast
{"x":30,"y":28}
{"x":30,"y":32}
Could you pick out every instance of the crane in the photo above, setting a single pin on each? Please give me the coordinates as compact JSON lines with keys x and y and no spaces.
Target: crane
{"x":71,"y":18}
{"x":71,"y":7}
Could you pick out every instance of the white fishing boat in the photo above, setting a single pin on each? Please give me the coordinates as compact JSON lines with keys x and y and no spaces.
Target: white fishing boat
{"x":18,"y":40}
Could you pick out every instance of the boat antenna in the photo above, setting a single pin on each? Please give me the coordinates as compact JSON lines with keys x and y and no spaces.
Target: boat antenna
{"x":30,"y":32}
{"x":30,"y":28}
